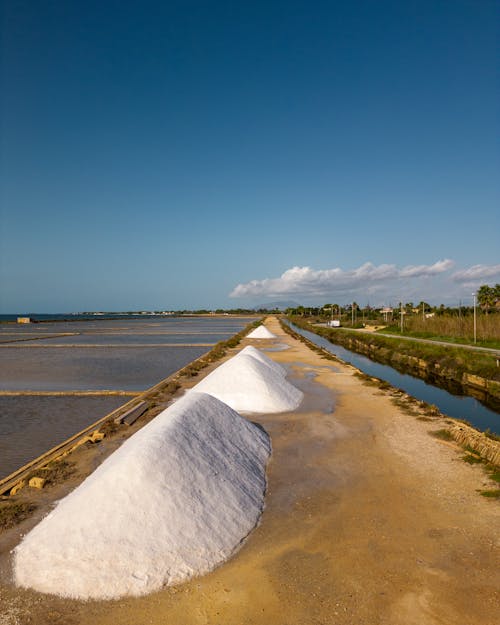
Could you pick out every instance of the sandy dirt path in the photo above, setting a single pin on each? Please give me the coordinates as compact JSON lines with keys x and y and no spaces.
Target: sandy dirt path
{"x":368,"y":521}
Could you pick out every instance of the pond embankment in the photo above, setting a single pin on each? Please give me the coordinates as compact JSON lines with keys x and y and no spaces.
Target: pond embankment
{"x":451,"y":367}
{"x":485,"y":444}
{"x":368,"y":519}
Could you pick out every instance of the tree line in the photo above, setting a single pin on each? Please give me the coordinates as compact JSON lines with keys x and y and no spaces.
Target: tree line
{"x":488,"y":299}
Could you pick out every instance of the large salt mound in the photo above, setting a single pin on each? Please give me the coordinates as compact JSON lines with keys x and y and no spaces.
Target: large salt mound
{"x":173,"y":501}
{"x":261,"y":332}
{"x":249,"y":385}
{"x":256,"y":353}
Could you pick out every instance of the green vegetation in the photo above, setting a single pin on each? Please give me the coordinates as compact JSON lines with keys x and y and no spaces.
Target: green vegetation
{"x":455,"y":325}
{"x":472,"y":459}
{"x":494,"y":494}
{"x":495,"y":474}
{"x":405,"y":406}
{"x":441,"y":360}
{"x":492,"y":435}
{"x":415,"y":408}
{"x":452,"y":328}
{"x":488,"y":297}
{"x":443,"y":434}
{"x":12,"y":513}
{"x":55,"y":472}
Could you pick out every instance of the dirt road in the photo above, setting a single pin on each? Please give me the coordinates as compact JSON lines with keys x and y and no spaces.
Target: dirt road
{"x":369,"y":520}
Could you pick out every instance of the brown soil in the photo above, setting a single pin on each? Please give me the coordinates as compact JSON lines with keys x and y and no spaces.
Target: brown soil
{"x":368,"y":521}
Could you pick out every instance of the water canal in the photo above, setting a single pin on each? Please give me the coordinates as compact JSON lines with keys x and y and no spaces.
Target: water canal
{"x":456,"y":406}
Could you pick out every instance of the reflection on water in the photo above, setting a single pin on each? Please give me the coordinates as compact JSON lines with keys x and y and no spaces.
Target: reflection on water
{"x":105,"y":368}
{"x":226,"y":326}
{"x":457,"y":406}
{"x":125,"y":354}
{"x":29,"y":426}
{"x":122,"y":338}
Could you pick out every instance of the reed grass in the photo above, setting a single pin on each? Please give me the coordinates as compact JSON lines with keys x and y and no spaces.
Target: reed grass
{"x":453,"y":359}
{"x":453,"y":328}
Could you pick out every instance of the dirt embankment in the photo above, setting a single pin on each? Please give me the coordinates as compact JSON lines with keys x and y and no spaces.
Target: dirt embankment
{"x":442,"y":365}
{"x":368,"y":520}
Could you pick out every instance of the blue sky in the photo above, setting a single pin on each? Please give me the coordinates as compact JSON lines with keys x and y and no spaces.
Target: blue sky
{"x":189,"y":154}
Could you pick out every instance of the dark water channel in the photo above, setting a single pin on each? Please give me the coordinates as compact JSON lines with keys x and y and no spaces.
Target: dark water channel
{"x":456,"y":406}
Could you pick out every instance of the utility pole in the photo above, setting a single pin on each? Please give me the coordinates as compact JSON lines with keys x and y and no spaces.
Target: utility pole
{"x":474,"y":296}
{"x":402,"y":318}
{"x":423,"y":310}
{"x":352,"y":314}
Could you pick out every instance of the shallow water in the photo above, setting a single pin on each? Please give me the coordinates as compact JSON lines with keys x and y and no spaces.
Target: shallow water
{"x":456,"y":406}
{"x":123,"y":354}
{"x":102,"y":368}
{"x":29,"y":426}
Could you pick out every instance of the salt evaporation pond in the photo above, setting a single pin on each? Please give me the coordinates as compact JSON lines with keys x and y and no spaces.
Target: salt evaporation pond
{"x":174,"y":501}
{"x":123,"y":355}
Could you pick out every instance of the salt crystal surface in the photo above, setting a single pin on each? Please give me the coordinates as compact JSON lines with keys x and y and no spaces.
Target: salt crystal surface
{"x":250,"y":385}
{"x":261,"y":332}
{"x":174,"y":501}
{"x":256,"y":353}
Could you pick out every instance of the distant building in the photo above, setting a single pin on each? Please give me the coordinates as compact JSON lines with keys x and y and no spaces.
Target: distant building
{"x":387,"y":312}
{"x":24,"y":320}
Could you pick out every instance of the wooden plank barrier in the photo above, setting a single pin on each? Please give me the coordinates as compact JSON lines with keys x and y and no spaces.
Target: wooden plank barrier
{"x":132,"y":414}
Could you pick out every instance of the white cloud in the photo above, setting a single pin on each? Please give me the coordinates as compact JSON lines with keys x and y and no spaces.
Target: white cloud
{"x":414,"y":271}
{"x":368,"y":279}
{"x":477,"y":273}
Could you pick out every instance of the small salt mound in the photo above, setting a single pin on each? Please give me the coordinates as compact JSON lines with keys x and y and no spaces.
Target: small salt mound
{"x":261,"y":332}
{"x":249,"y":385}
{"x":174,"y":501}
{"x":256,"y":353}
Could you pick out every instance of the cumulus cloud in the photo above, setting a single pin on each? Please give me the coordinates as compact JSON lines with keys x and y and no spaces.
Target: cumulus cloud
{"x":477,"y":272}
{"x":416,"y":271}
{"x":307,"y":282}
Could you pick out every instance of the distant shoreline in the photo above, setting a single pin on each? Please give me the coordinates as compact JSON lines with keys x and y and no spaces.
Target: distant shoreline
{"x":72,"y":317}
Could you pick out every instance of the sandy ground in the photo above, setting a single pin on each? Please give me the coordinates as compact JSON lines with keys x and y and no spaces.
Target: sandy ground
{"x":368,"y":521}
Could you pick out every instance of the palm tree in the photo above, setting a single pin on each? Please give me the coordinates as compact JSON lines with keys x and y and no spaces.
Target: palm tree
{"x":486,"y":297}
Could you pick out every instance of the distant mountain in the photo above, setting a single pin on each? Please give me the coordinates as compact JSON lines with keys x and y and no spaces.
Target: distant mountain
{"x":278,"y":305}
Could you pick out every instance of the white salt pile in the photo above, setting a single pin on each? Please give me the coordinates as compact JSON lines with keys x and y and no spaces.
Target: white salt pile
{"x":256,"y":353}
{"x":261,"y":332}
{"x":248,"y":384}
{"x":172,"y":502}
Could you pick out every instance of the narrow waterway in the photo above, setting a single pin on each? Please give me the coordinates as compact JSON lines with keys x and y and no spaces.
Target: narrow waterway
{"x":456,"y":406}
